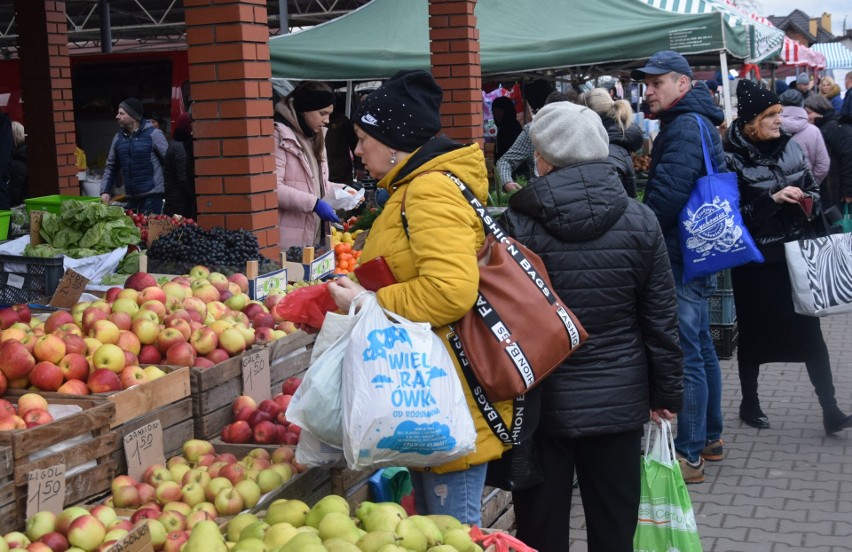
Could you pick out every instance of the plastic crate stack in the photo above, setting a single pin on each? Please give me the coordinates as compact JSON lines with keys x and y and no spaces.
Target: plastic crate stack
{"x":723,"y":316}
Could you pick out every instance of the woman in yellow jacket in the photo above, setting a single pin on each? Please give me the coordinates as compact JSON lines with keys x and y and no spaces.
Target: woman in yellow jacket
{"x":434,"y":259}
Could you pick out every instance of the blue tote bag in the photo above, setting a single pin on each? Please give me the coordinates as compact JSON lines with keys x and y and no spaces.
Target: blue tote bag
{"x":712,"y":234}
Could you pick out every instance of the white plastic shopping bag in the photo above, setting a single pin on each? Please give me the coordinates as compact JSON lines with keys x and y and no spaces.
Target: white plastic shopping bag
{"x":403,"y":404}
{"x":312,"y":452}
{"x":319,"y":391}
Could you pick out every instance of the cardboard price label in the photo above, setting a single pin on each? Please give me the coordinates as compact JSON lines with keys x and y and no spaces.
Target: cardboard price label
{"x":70,"y":288}
{"x":158,"y":228}
{"x":143,"y":447}
{"x":137,"y":540}
{"x":257,"y":380}
{"x":35,"y":227}
{"x":46,"y":490}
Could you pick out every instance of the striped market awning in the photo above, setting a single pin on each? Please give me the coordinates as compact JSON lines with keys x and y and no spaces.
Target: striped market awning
{"x":837,"y":55}
{"x":799,"y":54}
{"x":766,"y":40}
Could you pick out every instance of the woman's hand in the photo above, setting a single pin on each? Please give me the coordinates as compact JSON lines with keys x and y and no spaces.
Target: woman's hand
{"x":658,"y":414}
{"x":343,"y":291}
{"x":790,"y":194}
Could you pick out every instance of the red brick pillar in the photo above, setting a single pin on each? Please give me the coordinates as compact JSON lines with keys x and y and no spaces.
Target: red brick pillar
{"x":229,"y":75}
{"x":456,"y":66}
{"x":46,"y":93}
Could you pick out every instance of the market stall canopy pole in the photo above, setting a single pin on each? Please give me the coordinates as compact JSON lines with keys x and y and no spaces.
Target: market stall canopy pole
{"x":384,"y":36}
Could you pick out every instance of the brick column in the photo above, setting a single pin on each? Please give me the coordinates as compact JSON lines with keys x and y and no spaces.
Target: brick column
{"x":46,"y":92}
{"x":456,"y":66}
{"x":229,"y":76}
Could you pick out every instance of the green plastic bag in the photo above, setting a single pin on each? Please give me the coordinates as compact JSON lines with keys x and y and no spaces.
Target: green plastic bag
{"x":666,"y":521}
{"x":846,"y":221}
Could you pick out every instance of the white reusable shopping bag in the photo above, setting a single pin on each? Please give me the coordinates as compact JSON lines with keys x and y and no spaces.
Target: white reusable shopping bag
{"x":403,"y":404}
{"x":821,"y":274}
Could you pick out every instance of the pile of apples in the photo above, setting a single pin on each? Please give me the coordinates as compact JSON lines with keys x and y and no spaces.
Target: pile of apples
{"x":197,"y":320}
{"x":201,"y":484}
{"x":331,"y":526}
{"x":265,"y":423}
{"x":31,"y":411}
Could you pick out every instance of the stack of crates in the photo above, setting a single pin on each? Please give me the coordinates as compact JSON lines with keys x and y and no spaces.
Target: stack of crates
{"x":723,"y":316}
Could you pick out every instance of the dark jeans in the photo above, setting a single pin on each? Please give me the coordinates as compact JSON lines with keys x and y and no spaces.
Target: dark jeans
{"x":608,"y":470}
{"x":149,"y":205}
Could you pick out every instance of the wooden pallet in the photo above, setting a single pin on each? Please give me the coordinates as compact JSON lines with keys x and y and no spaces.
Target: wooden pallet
{"x":95,"y":420}
{"x":140,"y":400}
{"x":497,"y":509}
{"x":8,"y":507}
{"x":214,"y":389}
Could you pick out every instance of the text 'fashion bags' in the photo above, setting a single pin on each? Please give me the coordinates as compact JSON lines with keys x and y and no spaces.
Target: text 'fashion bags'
{"x":821,"y":274}
{"x":712,"y":234}
{"x":519,"y":330}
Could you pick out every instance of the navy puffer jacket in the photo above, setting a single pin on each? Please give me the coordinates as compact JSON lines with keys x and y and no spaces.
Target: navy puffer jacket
{"x":138,"y":157}
{"x":605,"y":256}
{"x":677,"y":160}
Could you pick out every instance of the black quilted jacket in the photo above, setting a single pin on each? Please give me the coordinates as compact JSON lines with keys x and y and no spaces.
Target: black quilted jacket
{"x":607,"y":260}
{"x":761,"y":173}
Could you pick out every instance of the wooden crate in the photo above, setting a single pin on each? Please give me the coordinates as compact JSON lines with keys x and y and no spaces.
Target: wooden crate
{"x":497,"y":509}
{"x":94,"y":419}
{"x":240,"y":450}
{"x":8,"y":506}
{"x":214,"y":389}
{"x":176,"y":421}
{"x":140,"y":400}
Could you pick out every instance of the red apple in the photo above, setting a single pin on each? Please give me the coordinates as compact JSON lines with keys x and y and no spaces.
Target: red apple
{"x":233,"y":472}
{"x":237,"y":432}
{"x":74,"y":366}
{"x":270,"y":407}
{"x":244,"y":413}
{"x":111,"y":294}
{"x":290,"y":385}
{"x":57,"y":319}
{"x":144,"y":513}
{"x":258,"y":416}
{"x":103,"y":380}
{"x":140,"y":281}
{"x":55,"y":541}
{"x":265,"y":432}
{"x":243,"y":401}
{"x":8,"y":316}
{"x":180,"y":354}
{"x":92,"y":315}
{"x":47,"y":376}
{"x":149,"y":354}
{"x":169,"y":337}
{"x":180,"y":325}
{"x":74,"y":387}
{"x":37,"y":417}
{"x":217,"y":355}
{"x":17,"y":361}
{"x":132,"y":375}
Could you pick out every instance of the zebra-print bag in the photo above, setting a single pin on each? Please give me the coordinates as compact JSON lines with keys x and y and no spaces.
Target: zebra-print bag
{"x":821,"y":274}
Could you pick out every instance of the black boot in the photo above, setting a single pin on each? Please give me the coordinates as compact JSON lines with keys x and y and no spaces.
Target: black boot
{"x":752,"y":415}
{"x":834,"y":420}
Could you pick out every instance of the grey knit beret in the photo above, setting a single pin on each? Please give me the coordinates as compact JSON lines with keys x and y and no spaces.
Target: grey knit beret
{"x":567,"y":134}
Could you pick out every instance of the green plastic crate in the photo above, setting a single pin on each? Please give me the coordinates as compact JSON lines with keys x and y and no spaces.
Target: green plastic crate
{"x":52,"y":203}
{"x":5,"y":219}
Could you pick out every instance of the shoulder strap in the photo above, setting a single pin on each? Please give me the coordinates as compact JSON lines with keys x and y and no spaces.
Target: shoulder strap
{"x":709,"y":160}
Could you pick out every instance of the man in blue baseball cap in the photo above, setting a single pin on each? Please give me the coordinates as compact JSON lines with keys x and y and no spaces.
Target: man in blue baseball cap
{"x":677,"y":162}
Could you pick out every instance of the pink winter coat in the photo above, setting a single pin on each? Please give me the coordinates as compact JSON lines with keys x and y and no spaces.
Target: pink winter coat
{"x":794,"y":120}
{"x":297,"y":194}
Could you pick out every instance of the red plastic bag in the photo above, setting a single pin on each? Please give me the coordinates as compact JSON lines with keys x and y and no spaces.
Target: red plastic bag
{"x":306,"y":305}
{"x":498,"y":541}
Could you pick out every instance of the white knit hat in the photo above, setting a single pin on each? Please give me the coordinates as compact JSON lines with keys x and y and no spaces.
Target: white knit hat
{"x":567,"y":134}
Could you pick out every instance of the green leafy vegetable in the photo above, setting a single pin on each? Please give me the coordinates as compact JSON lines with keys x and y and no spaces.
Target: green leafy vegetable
{"x":87,"y":228}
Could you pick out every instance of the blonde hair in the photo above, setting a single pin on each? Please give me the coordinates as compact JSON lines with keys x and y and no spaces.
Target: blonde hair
{"x":18,"y":133}
{"x":828,"y":80}
{"x":599,"y":101}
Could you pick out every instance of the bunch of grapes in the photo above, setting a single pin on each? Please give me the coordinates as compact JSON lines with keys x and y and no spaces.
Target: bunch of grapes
{"x":294,"y":254}
{"x":218,"y":246}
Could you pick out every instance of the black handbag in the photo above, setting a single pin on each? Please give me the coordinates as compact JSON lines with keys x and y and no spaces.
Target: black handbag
{"x":520,"y":468}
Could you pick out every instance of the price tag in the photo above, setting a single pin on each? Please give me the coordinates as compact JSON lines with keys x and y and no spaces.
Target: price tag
{"x":322,"y":265}
{"x":137,"y":540}
{"x":256,"y":377}
{"x":273,"y":282}
{"x":158,"y":228}
{"x":35,"y":227}
{"x":70,"y":288}
{"x":144,"y":447}
{"x":46,"y":490}
{"x":15,"y":280}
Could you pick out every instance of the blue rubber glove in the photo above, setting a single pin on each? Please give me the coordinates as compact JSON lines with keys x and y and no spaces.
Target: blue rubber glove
{"x":325,"y":212}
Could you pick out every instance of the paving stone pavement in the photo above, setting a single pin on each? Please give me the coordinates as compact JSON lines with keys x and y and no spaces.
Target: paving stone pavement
{"x":783,"y":489}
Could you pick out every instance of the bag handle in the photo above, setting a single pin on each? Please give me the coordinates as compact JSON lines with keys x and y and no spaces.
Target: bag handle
{"x":709,"y":161}
{"x":662,"y":450}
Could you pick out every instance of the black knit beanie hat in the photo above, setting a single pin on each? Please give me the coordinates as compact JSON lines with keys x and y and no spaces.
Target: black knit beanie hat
{"x":752,"y":100}
{"x":403,"y":113}
{"x":133,"y":107}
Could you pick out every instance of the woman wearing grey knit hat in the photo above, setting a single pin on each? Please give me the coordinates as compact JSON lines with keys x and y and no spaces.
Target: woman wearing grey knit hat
{"x":780,"y":202}
{"x":606,"y":255}
{"x":794,"y":121}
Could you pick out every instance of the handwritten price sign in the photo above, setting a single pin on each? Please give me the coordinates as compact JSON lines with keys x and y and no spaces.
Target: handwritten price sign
{"x":143,"y":447}
{"x":256,"y":377}
{"x":46,"y":490}
{"x":137,"y":540}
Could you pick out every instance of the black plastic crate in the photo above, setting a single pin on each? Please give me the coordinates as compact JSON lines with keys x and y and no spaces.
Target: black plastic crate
{"x":722,"y":309}
{"x":725,"y":337}
{"x":723,"y":281}
{"x":26,"y":279}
